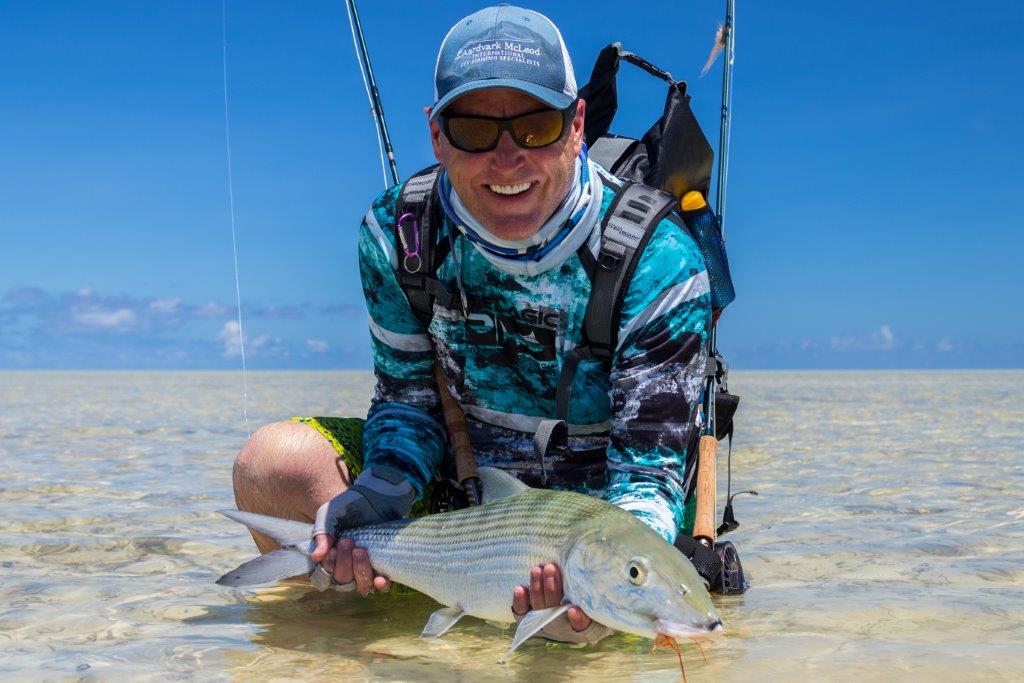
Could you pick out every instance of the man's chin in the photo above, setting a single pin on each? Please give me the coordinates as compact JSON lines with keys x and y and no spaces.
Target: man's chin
{"x":512,"y":229}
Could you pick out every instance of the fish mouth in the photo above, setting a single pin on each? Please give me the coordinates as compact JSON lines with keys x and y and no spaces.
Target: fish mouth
{"x":677,"y":629}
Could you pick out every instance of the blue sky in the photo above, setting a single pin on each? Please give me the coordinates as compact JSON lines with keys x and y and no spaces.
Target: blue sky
{"x":874,"y":216}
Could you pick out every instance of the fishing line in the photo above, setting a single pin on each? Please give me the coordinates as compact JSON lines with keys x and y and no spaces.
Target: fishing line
{"x":369,"y":95}
{"x":231,"y":205}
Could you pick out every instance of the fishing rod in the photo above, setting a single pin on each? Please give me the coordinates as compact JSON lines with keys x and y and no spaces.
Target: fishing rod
{"x":454,"y":417}
{"x":704,"y":524}
{"x":376,"y":108}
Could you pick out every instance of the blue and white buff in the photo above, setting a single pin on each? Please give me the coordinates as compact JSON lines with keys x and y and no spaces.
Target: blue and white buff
{"x":559,"y":237}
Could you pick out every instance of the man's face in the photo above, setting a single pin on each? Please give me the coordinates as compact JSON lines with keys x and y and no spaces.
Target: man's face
{"x":475,"y":175}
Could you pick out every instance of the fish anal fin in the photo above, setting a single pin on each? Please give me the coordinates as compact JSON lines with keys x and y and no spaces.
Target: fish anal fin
{"x":531,"y":623}
{"x":498,"y":484}
{"x":442,"y":620}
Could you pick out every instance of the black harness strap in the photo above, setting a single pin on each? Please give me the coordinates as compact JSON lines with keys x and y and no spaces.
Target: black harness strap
{"x":625,"y":230}
{"x":417,"y":214}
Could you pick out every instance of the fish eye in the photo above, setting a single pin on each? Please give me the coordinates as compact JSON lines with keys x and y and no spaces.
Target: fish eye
{"x":636,"y":570}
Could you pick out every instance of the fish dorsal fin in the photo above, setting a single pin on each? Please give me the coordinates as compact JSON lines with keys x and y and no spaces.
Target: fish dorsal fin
{"x":286,"y":532}
{"x":498,"y":484}
{"x":442,"y":620}
{"x":531,"y":623}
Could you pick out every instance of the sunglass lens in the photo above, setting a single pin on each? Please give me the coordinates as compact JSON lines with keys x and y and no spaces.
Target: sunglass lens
{"x":473,"y":135}
{"x":540,"y":129}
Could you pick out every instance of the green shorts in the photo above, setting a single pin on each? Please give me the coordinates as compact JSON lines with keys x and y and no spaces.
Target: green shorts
{"x":345,"y":434}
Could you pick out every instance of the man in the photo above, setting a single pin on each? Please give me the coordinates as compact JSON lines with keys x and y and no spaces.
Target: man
{"x":522,"y":212}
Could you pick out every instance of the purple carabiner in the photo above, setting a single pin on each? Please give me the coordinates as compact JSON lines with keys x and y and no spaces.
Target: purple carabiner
{"x":412,"y":261}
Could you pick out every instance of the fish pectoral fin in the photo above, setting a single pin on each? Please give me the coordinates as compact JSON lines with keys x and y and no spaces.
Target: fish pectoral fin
{"x":531,"y":623}
{"x":442,"y":620}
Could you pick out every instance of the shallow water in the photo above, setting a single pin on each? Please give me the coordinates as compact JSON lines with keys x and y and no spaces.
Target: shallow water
{"x":888,"y":539}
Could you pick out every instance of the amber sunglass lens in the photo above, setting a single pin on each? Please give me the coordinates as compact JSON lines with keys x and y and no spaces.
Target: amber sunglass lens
{"x":473,"y":135}
{"x":537,"y":130}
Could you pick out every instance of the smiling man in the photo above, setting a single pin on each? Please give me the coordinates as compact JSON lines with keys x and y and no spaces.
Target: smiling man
{"x":485,"y":265}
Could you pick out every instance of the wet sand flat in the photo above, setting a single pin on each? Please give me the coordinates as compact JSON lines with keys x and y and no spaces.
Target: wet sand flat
{"x":887,"y":542}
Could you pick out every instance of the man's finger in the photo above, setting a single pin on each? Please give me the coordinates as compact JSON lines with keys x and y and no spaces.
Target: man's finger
{"x":536,"y":588}
{"x":520,"y":600}
{"x":330,"y":560}
{"x":323,"y":545}
{"x":382,"y":583}
{"x":577,"y":619}
{"x":552,"y":585}
{"x":362,"y":570}
{"x":343,"y":562}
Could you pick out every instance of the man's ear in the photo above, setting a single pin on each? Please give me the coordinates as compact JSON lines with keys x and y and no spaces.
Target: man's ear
{"x":579,"y":125}
{"x":435,"y":136}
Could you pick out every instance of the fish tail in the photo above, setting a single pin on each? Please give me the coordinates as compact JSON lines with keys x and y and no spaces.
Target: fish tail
{"x":287,"y":532}
{"x":274,"y":566}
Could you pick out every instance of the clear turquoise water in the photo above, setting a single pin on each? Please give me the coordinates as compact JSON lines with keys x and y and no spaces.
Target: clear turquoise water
{"x":887,"y":542}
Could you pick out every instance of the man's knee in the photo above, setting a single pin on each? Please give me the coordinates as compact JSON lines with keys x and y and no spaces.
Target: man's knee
{"x":286,"y":466}
{"x":261,"y":456}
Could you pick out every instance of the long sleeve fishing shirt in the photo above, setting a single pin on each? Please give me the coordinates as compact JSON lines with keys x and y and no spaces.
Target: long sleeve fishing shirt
{"x":629,"y":423}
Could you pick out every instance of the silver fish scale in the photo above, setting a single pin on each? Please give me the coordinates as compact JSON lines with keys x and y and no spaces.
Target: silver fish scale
{"x":475,"y":557}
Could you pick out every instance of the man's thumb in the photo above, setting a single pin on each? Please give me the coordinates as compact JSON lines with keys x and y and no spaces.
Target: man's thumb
{"x":323,"y":545}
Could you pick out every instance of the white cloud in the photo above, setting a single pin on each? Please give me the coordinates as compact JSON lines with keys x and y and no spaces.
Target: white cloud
{"x":885,"y":335}
{"x":316,"y":345}
{"x":212,"y":309}
{"x":945,"y":345}
{"x":85,"y":291}
{"x":882,"y":339}
{"x":168,"y":306}
{"x":230,"y":336}
{"x":118,"y":320}
{"x":260,"y":342}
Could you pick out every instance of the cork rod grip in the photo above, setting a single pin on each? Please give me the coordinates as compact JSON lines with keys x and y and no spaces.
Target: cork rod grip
{"x":704,"y":524}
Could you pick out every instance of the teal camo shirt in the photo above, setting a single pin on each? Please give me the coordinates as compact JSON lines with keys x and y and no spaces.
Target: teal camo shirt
{"x":629,"y":424}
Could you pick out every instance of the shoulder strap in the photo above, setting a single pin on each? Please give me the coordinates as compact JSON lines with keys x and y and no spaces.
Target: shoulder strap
{"x":416,"y":215}
{"x":625,"y":230}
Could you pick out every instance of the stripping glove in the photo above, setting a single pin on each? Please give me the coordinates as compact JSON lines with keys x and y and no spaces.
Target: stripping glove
{"x":379,"y":494}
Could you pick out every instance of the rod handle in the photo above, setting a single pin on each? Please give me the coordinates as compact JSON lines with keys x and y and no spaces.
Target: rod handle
{"x":458,"y":433}
{"x":704,"y":524}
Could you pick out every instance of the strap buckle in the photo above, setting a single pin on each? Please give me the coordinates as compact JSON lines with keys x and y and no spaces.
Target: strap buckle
{"x":611,"y":255}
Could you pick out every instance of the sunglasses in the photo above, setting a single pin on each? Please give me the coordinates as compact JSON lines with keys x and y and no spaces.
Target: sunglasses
{"x":530,"y":131}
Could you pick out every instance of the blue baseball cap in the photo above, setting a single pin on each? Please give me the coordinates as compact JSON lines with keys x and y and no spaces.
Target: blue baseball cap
{"x":504,"y":47}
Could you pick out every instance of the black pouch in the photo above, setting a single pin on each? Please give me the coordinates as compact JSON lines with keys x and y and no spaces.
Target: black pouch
{"x":674,"y":155}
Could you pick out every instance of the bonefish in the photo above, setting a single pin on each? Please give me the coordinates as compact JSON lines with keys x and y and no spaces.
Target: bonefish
{"x":614,"y":567}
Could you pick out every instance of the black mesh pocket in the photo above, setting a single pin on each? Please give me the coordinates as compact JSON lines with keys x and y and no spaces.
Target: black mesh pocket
{"x":703,"y":226}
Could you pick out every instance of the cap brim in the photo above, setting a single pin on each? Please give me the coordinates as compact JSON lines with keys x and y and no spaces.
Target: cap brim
{"x":553,"y":98}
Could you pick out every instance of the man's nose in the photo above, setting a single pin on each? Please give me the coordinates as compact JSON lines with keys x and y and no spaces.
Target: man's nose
{"x":508,"y":153}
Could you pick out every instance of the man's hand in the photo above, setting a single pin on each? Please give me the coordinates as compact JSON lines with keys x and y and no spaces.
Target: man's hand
{"x":348,"y":565}
{"x":379,"y":494}
{"x":546,"y":591}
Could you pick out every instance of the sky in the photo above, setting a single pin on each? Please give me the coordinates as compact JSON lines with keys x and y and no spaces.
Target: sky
{"x":875,"y":207}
